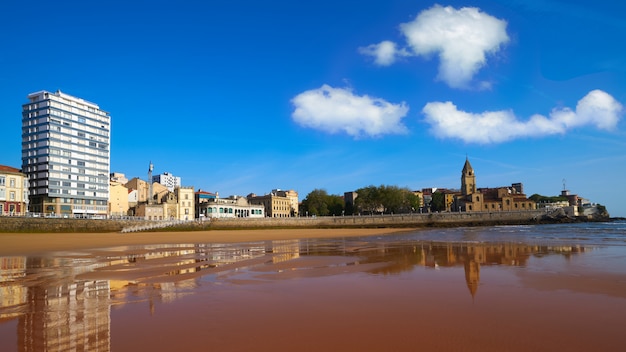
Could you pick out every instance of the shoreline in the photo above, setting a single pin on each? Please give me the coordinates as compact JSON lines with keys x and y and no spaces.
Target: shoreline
{"x":12,"y":244}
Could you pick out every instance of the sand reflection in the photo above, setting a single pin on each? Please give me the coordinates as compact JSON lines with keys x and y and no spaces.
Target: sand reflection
{"x":63,"y":301}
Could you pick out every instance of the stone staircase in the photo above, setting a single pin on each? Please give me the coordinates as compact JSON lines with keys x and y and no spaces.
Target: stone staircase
{"x":152,"y":225}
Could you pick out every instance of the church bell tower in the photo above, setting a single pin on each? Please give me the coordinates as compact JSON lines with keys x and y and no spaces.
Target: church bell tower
{"x":468,"y":179}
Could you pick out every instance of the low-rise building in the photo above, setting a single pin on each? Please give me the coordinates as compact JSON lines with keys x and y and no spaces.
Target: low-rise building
{"x":275,"y":205}
{"x":212,"y":206}
{"x":13,"y":191}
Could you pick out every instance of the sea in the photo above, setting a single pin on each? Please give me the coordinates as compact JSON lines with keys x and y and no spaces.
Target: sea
{"x":531,"y":287}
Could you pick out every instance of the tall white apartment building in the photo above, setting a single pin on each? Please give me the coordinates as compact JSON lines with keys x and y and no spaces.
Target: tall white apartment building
{"x":66,"y":154}
{"x":168,"y":180}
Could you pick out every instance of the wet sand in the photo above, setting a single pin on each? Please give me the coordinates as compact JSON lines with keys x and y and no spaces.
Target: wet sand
{"x":31,"y":243}
{"x":276,"y":290}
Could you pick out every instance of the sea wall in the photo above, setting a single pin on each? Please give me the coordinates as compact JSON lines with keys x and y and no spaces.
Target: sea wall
{"x":34,"y":225}
{"x":28,"y":224}
{"x":401,"y":220}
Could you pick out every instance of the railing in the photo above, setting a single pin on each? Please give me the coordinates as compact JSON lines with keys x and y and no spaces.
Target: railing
{"x":75,"y":216}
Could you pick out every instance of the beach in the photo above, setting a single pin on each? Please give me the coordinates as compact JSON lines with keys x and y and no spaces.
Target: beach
{"x":27,"y":243}
{"x":513,"y":288}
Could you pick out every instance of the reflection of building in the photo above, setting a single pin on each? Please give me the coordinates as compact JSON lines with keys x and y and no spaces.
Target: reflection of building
{"x":65,"y":153}
{"x":283,"y":251}
{"x":72,"y":316}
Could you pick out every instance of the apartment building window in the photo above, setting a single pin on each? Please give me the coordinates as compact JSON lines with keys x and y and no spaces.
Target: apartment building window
{"x":12,"y":196}
{"x":2,"y":180}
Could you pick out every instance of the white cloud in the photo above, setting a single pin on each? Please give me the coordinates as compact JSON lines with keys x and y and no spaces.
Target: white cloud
{"x":461,"y":38}
{"x":597,"y":109}
{"x":384,"y":53}
{"x":336,"y":110}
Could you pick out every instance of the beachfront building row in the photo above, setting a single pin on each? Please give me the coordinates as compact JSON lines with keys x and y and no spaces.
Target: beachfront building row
{"x":276,"y":204}
{"x":134,"y":199}
{"x":65,"y":154}
{"x":13,"y":191}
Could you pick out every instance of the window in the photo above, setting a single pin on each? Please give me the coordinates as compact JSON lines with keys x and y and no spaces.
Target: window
{"x":2,"y":180}
{"x":12,"y":196}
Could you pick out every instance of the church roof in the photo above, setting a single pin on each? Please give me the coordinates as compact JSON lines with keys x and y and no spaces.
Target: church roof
{"x":467,"y":167}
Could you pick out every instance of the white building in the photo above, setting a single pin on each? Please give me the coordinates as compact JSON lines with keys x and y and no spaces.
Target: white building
{"x":231,"y":207}
{"x":168,"y":180}
{"x":66,"y":154}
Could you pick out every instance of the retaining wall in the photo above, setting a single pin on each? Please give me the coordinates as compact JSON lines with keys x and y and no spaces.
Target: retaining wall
{"x":26,"y":224}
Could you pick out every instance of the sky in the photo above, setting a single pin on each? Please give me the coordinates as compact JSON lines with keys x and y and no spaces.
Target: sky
{"x":242,"y":97}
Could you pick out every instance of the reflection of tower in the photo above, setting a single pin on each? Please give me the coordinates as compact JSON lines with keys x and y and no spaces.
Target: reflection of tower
{"x":468,"y":179}
{"x":472,"y":275}
{"x":475,"y":256}
{"x":150,"y":168}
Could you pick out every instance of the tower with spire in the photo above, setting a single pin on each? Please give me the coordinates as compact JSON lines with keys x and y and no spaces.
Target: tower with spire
{"x":150,"y":169}
{"x":468,"y":179}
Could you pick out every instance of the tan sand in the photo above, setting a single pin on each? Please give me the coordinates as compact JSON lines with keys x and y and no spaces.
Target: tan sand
{"x":29,"y":243}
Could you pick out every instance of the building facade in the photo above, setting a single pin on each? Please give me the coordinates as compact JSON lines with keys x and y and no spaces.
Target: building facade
{"x":118,"y":202}
{"x":210,"y":205}
{"x":185,"y":205}
{"x":66,"y":154}
{"x":276,"y":205}
{"x":13,"y":191}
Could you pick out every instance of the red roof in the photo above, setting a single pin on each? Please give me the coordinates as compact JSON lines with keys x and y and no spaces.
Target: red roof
{"x":8,"y":169}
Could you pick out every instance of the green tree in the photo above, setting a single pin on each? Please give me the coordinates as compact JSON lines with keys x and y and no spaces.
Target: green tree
{"x":386,"y":199}
{"x":438,"y":202}
{"x":336,"y":205}
{"x":537,"y":198}
{"x":318,"y":202}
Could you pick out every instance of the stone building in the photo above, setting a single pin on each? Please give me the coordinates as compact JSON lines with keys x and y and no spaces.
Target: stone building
{"x":473,"y":199}
{"x":277,"y":204}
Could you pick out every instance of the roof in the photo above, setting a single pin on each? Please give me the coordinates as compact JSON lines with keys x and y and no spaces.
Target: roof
{"x":9,"y":169}
{"x":467,"y":167}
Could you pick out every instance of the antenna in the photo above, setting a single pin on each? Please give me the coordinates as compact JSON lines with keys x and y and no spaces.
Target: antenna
{"x":564,"y":188}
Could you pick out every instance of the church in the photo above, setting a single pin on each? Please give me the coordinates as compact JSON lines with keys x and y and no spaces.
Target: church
{"x":472,"y":199}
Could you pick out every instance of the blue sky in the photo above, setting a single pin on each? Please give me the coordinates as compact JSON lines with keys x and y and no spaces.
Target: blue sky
{"x":243,"y":97}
